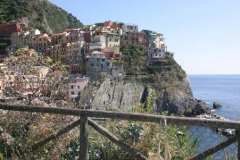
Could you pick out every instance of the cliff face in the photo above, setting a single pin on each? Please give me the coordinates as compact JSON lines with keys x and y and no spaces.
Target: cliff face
{"x":167,"y":79}
{"x":118,"y":95}
{"x":42,"y":14}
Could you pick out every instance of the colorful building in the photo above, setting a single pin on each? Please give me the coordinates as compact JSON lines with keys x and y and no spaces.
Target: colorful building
{"x":76,"y":85}
{"x":106,"y":42}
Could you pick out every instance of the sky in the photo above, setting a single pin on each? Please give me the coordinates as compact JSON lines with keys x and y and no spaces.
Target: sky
{"x":204,"y":35}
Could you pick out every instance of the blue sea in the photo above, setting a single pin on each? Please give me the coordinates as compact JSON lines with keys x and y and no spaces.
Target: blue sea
{"x":224,"y":89}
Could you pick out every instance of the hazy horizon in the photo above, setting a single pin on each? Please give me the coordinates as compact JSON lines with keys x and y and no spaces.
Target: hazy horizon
{"x":202,"y":34}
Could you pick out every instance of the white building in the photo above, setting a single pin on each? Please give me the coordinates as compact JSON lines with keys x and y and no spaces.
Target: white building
{"x":156,"y":55}
{"x":76,"y":84}
{"x":105,"y":40}
{"x":157,"y":48}
{"x":159,"y":41}
{"x":98,"y":42}
{"x":113,"y":41}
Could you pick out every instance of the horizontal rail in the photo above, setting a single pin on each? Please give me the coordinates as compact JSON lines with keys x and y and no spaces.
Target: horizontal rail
{"x":126,"y":116}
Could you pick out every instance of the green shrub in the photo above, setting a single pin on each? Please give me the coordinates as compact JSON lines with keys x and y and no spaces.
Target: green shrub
{"x":134,"y":59}
{"x":169,"y":142}
{"x":47,"y":17}
{"x":1,"y":156}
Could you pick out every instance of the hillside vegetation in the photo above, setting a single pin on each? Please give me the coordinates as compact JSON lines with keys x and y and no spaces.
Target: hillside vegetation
{"x":19,"y":130}
{"x":42,"y":14}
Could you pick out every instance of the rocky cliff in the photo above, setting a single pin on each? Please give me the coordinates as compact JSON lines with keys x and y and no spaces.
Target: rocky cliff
{"x":118,"y":95}
{"x":167,"y":79}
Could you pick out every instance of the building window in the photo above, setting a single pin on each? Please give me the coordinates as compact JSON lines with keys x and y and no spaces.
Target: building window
{"x":72,"y":86}
{"x":72,"y":93}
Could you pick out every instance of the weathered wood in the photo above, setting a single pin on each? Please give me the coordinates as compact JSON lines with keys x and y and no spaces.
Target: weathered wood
{"x":126,"y":116}
{"x":83,"y":154}
{"x":103,"y":131}
{"x":214,"y":149}
{"x":56,"y":135}
{"x":238,"y":143}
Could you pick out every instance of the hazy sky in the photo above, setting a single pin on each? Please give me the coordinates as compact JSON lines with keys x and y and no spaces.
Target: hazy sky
{"x":204,"y":35}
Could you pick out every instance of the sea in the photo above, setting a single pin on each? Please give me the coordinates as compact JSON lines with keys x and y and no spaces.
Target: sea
{"x":224,"y":89}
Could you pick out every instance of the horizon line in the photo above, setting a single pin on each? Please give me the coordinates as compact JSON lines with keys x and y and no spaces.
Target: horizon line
{"x":214,"y":74}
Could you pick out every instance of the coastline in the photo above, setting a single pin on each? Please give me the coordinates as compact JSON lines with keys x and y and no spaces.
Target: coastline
{"x":222,"y":89}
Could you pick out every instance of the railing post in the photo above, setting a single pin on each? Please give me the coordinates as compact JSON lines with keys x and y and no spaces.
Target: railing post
{"x":238,"y":144}
{"x":83,"y":155}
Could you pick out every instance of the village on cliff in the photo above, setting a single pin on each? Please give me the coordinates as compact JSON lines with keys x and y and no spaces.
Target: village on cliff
{"x":89,"y":53}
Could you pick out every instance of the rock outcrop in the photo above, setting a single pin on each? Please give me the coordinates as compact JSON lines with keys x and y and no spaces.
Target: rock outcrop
{"x":168,"y":79}
{"x":117,"y":95}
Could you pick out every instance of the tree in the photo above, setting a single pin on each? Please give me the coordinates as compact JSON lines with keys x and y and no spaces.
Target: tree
{"x":134,"y":59}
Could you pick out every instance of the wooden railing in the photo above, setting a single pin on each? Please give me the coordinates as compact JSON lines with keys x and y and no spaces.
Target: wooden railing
{"x":86,"y":119}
